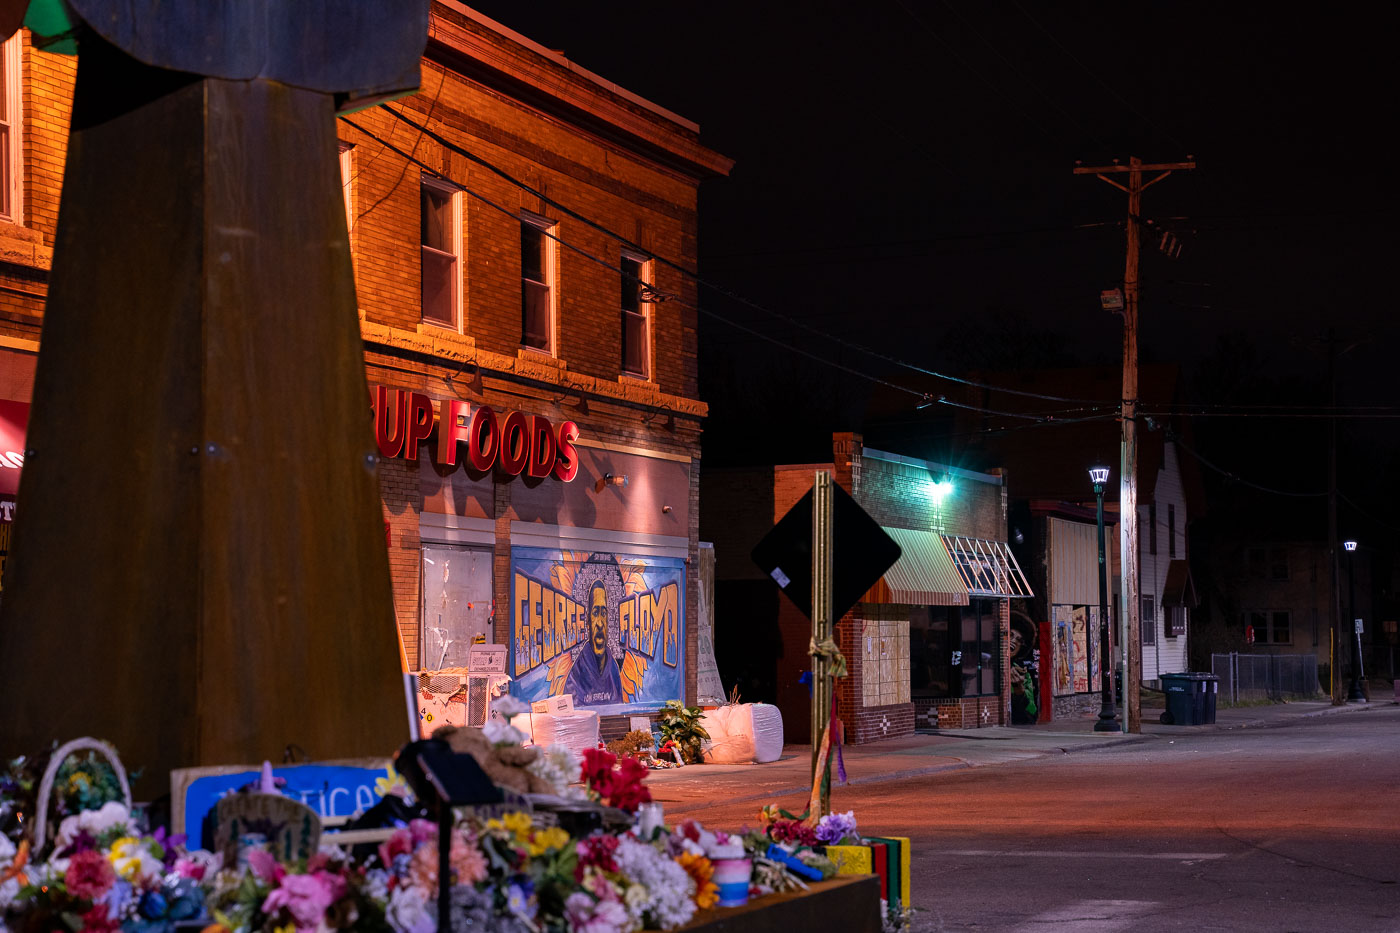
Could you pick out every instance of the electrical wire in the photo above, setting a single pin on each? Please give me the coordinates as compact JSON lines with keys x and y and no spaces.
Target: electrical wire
{"x":1240,"y":479}
{"x":618,"y":269}
{"x":690,"y":273}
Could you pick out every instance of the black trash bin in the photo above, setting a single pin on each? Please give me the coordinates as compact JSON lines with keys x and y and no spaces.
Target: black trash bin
{"x":1210,"y":685}
{"x":1181,"y":700}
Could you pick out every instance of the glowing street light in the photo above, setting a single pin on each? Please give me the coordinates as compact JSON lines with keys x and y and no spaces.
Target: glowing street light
{"x":1356,"y":695}
{"x":1108,"y":717}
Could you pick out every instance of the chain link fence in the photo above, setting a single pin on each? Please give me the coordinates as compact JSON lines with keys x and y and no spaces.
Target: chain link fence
{"x":1246,"y":677}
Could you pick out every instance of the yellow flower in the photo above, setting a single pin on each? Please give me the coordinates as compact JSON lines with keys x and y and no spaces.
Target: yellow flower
{"x":130,"y":858}
{"x":517,"y":824}
{"x":701,"y":870}
{"x":545,"y":839}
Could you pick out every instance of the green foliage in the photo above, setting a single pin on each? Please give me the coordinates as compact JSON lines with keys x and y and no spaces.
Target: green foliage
{"x":681,"y":724}
{"x":631,"y":744}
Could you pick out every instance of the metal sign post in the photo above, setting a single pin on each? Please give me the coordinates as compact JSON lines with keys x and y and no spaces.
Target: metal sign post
{"x":821,"y":620}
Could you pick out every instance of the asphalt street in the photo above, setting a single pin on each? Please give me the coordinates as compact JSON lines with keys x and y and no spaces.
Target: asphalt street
{"x":1291,"y":828}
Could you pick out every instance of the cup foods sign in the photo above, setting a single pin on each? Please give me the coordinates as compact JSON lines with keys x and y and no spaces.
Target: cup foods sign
{"x":514,"y":441}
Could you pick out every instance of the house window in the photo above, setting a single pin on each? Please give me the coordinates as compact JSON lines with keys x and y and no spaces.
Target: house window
{"x":456,"y":604}
{"x":11,"y":151}
{"x":1171,"y":531}
{"x":440,"y":222}
{"x":636,"y":315}
{"x":1271,"y":626}
{"x":1149,"y":621}
{"x":1152,"y":528}
{"x":537,"y":284}
{"x":1278,"y":563}
{"x":1174,"y":621}
{"x":955,"y":651}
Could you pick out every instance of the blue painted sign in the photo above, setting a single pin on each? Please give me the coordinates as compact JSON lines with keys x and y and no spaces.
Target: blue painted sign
{"x":609,"y":629}
{"x":332,"y":790}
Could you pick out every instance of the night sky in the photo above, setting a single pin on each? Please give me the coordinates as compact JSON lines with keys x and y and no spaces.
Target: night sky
{"x":903,"y":181}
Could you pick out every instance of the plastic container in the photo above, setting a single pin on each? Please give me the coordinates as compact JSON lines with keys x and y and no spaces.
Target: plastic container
{"x":732,"y":875}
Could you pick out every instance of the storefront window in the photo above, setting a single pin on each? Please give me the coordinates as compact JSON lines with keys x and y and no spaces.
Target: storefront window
{"x":954,"y":650}
{"x":456,"y":604}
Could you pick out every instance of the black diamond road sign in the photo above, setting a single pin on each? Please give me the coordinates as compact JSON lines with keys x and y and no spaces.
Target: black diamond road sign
{"x":862,"y":552}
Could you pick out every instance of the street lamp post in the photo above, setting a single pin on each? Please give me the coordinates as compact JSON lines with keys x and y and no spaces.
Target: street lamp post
{"x":1357,"y":695}
{"x":1108,"y":717}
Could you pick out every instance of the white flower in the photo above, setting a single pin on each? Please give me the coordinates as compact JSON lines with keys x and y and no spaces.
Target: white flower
{"x":508,"y":705}
{"x":410,"y":910}
{"x":636,"y":898}
{"x":8,"y":892}
{"x":559,"y":767}
{"x":112,"y":815}
{"x":670,"y":891}
{"x":499,"y":731}
{"x":7,"y":850}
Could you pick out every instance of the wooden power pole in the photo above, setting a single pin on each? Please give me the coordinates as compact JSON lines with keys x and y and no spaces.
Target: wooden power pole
{"x":1130,"y":624}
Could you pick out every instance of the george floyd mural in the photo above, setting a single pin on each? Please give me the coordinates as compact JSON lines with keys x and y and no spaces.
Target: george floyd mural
{"x":607,"y":628}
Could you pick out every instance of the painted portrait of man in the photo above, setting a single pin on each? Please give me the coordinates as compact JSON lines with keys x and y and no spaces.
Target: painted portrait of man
{"x":594,"y":679}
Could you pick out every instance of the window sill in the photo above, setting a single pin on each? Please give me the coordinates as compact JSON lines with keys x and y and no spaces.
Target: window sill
{"x":535,"y":355}
{"x":21,"y":246}
{"x":444,"y":333}
{"x":637,"y":379}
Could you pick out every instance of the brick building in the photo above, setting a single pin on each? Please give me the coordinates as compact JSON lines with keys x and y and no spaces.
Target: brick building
{"x":524,"y":234}
{"x":927,"y":646}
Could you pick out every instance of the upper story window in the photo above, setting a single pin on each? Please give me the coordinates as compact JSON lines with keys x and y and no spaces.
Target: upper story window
{"x":1171,"y":531}
{"x":11,"y":152}
{"x":636,"y":315}
{"x":441,"y":225}
{"x":537,"y":299}
{"x":1152,"y":528}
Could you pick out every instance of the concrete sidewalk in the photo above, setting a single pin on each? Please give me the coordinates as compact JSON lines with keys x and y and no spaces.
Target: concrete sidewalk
{"x":697,"y":787}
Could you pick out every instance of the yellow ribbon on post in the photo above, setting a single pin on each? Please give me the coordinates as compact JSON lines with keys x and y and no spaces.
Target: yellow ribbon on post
{"x":827,"y":649}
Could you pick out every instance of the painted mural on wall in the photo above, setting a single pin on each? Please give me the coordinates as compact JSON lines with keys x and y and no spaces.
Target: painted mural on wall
{"x":1024,"y":650}
{"x":609,"y":629}
{"x":1075,"y":633}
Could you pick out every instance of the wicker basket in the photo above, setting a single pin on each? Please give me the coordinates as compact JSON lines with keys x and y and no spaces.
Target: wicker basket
{"x":45,"y":795}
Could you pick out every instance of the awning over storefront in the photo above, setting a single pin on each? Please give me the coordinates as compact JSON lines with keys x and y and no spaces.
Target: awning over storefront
{"x":923,"y":576}
{"x":987,"y":568}
{"x":1179,"y":590}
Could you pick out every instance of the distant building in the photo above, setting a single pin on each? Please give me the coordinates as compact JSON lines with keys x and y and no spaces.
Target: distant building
{"x":927,"y":647}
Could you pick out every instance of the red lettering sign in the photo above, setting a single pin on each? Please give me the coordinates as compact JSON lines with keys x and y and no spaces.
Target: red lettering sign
{"x":516,"y":443}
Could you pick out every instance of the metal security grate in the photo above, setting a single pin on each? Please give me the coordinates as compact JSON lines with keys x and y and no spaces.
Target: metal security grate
{"x":987,"y":568}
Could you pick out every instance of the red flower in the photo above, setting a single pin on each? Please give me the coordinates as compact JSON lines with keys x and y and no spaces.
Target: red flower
{"x":98,"y":921}
{"x":89,"y":876}
{"x":617,"y":783}
{"x":599,"y":850}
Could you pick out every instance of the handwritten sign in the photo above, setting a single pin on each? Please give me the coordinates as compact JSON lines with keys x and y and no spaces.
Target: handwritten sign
{"x":290,"y":830}
{"x":330,"y":788}
{"x":486,"y":659}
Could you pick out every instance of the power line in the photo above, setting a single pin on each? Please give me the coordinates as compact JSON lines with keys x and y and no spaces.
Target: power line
{"x":1240,"y":479}
{"x":448,"y":144}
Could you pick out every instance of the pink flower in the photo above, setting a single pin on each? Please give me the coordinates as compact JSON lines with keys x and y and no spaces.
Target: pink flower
{"x":422,"y":831}
{"x":265,"y":866}
{"x":89,"y":875}
{"x":400,"y":843}
{"x":586,"y":915}
{"x":305,"y":898}
{"x":468,"y":864}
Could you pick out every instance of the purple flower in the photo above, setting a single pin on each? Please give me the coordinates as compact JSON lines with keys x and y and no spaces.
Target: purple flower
{"x":836,"y":826}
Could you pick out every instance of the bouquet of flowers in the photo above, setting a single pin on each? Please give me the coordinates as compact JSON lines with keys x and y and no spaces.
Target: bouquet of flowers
{"x":615,"y":783}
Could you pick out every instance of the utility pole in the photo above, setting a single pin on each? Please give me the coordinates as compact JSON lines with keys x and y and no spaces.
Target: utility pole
{"x":1334,"y":559}
{"x":1131,"y":623}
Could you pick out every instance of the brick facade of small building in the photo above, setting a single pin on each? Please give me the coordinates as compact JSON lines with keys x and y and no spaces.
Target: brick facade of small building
{"x":508,"y":129}
{"x":874,"y":700}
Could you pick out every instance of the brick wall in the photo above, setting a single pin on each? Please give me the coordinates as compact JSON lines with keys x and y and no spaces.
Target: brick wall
{"x":609,"y":173}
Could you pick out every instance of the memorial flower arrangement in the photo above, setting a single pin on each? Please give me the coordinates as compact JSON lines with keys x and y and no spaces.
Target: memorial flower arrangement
{"x":511,"y":873}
